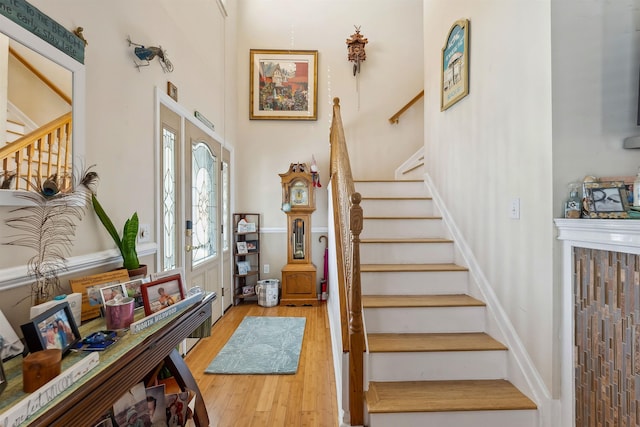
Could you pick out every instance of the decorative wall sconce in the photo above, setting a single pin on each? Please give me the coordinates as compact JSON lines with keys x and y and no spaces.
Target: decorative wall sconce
{"x":149,"y":53}
{"x":355,"y":48}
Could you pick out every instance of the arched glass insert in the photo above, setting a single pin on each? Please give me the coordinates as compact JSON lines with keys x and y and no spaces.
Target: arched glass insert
{"x":203,"y":199}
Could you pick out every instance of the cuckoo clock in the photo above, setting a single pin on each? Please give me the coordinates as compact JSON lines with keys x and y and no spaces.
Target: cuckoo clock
{"x":355,"y":48}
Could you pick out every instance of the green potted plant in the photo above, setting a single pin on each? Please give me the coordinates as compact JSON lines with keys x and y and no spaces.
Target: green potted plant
{"x":126,"y":244}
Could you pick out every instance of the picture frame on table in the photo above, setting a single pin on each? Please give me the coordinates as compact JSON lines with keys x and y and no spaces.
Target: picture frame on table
{"x":133,"y":289}
{"x":110,"y":292}
{"x":162,"y":293}
{"x":89,"y":287}
{"x":283,"y":84}
{"x":54,"y":328}
{"x":252,"y":246}
{"x":606,"y":199}
{"x":454,"y":80}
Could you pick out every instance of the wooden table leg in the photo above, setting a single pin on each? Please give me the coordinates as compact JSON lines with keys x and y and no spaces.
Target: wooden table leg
{"x":184,"y":377}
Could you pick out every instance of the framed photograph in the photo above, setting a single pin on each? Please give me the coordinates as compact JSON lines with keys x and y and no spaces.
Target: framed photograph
{"x":455,"y":65}
{"x":246,"y":227}
{"x":51,"y":329}
{"x":162,"y":293}
{"x":172,"y":91}
{"x":173,"y":272}
{"x":248,"y":290}
{"x":243,"y":267}
{"x":242,"y":248}
{"x":89,"y":287}
{"x":605,"y":199}
{"x":283,"y":84}
{"x":252,"y":245}
{"x":133,"y":289}
{"x":112,"y":291}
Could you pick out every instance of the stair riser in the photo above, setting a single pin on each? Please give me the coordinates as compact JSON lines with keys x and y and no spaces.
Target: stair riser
{"x":415,"y":283}
{"x":438,"y":365}
{"x":392,"y":228}
{"x":398,"y":208}
{"x":406,"y":253}
{"x":392,"y":189}
{"x":523,"y":418}
{"x":424,"y":319}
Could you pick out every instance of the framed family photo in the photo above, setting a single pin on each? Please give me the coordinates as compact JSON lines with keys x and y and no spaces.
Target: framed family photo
{"x":283,"y":84}
{"x":455,"y":65}
{"x":162,"y":293}
{"x":52,"y":329}
{"x":89,"y":287}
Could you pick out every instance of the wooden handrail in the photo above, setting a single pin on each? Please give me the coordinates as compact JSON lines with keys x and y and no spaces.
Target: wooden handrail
{"x":348,"y":218}
{"x":396,"y":117}
{"x":43,"y":152}
{"x":41,"y":76}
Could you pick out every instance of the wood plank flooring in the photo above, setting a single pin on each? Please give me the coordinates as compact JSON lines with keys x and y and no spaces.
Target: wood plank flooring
{"x":307,"y":398}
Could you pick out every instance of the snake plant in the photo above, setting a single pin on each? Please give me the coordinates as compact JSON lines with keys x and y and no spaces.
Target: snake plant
{"x":126,"y":244}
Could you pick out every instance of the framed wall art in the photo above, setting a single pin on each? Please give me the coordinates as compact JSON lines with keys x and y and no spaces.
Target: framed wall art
{"x":455,"y":65}
{"x":283,"y":85}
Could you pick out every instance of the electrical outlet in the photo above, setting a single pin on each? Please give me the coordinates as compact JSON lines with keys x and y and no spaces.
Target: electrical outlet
{"x":144,"y":233}
{"x":265,"y":268}
{"x":514,"y":212}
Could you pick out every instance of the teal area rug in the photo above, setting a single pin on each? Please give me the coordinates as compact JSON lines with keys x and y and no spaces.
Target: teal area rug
{"x":261,"y":345}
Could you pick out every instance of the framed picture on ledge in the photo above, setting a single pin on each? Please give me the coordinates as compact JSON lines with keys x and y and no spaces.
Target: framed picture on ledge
{"x":605,"y":200}
{"x":52,"y":329}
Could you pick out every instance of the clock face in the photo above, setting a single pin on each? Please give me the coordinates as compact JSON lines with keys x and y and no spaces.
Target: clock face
{"x":299,"y":194}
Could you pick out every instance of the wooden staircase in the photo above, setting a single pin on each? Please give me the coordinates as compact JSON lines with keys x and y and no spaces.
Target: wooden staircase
{"x":430,"y":362}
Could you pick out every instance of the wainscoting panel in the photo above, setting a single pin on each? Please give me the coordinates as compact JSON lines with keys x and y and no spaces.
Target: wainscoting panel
{"x":607,"y":338}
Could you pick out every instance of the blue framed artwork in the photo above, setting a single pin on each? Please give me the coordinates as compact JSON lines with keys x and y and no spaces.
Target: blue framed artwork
{"x":455,"y":65}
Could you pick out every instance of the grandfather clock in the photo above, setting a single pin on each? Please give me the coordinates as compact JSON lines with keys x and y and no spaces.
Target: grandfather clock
{"x":298,"y":203}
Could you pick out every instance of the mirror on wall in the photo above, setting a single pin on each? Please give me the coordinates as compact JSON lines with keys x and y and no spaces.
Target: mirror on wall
{"x":42,"y":113}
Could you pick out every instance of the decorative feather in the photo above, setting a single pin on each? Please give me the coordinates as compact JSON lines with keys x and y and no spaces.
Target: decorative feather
{"x":47,"y":224}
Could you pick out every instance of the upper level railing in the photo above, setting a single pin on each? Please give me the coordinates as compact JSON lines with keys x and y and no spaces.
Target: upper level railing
{"x":348,"y":226}
{"x":38,"y":155}
{"x":396,"y":117}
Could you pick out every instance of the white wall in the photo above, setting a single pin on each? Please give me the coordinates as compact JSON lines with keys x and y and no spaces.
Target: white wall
{"x":390,"y":77}
{"x":494,"y":146}
{"x":120,"y":103}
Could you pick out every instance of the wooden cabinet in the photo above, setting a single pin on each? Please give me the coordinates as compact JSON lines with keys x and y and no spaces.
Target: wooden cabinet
{"x":246,"y":256}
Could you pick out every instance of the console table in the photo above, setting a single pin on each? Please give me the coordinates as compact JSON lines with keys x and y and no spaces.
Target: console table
{"x":121,"y":366}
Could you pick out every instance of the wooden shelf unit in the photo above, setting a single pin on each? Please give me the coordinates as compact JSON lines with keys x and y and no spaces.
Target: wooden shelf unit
{"x":252,"y":256}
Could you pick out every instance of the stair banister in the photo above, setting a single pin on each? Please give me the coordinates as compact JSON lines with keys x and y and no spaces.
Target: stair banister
{"x":349,"y":219}
{"x":396,"y":117}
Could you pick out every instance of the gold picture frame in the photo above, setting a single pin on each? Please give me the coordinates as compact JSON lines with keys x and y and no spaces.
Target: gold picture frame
{"x":454,"y":79}
{"x":283,"y":85}
{"x":605,"y":200}
{"x":172,"y":91}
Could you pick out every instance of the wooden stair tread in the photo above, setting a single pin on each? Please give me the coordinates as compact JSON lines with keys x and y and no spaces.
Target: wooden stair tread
{"x":428,"y":342}
{"x":396,"y":198}
{"x":403,"y":218}
{"x":380,"y":268}
{"x":387,"y":301}
{"x":387,"y":180}
{"x":407,"y":240}
{"x":440,"y":396}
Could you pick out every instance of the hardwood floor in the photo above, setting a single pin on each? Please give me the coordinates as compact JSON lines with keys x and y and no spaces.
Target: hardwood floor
{"x":307,"y":398}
